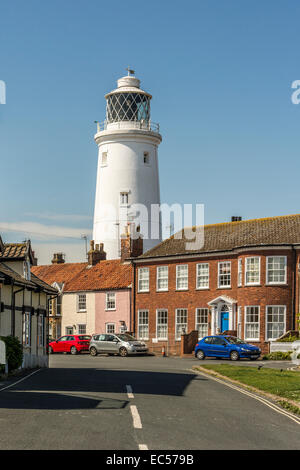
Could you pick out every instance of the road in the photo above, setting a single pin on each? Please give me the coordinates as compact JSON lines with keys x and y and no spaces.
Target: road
{"x":131,"y":403}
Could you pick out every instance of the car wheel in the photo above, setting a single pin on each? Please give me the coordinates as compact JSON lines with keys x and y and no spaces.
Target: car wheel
{"x":200,"y":355}
{"x":50,"y":350}
{"x":234,"y":356}
{"x":123,"y":352}
{"x":73,"y":350}
{"x":93,"y":352}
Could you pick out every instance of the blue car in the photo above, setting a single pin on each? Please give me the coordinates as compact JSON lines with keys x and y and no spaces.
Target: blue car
{"x":226,"y":346}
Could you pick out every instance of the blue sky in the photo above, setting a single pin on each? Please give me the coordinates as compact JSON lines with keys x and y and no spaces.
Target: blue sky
{"x":220,"y":73}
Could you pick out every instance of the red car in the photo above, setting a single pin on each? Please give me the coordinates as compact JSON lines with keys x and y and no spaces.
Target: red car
{"x":70,"y":343}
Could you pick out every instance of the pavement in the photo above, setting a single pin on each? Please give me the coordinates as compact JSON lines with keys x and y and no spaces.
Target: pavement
{"x":147,"y":402}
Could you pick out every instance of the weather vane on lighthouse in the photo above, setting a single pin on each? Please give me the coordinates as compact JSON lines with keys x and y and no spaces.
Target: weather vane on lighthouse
{"x":130,"y":71}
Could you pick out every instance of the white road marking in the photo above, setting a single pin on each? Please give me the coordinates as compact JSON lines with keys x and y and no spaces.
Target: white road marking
{"x":256,"y":397}
{"x":143,"y":447}
{"x":136,"y":417}
{"x":129,"y":391}
{"x":21,"y":380}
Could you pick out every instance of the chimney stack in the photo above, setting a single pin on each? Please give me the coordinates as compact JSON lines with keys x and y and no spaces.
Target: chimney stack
{"x":96,"y":254}
{"x":236,"y":218}
{"x":58,"y":258}
{"x":131,"y":242}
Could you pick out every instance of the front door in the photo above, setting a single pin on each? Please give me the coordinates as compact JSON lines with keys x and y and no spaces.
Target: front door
{"x":224,"y":321}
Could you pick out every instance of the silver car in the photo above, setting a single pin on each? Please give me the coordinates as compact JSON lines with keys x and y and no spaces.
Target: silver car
{"x":122,"y":344}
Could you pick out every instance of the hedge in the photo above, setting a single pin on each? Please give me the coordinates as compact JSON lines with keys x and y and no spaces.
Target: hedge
{"x":14,"y":352}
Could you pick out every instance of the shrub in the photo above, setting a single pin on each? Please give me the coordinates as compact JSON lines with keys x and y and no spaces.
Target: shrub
{"x":278,"y":356}
{"x":288,"y":339}
{"x":14,"y":352}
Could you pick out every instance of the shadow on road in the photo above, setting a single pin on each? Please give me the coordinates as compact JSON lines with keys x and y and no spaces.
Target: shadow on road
{"x":64,"y":388}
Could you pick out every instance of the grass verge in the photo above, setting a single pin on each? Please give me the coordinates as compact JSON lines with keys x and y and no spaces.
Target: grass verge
{"x":281,"y":386}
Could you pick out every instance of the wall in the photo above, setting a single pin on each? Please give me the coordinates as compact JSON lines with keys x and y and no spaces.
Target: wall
{"x":121,"y":313}
{"x":71,"y":317}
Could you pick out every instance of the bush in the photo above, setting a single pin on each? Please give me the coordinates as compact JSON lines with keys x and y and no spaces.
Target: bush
{"x":288,"y":339}
{"x":14,"y":352}
{"x":278,"y":356}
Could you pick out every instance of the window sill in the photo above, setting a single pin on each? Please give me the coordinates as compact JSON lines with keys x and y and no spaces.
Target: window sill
{"x":143,"y":291}
{"x":252,"y":340}
{"x":161,"y":290}
{"x":80,"y":311}
{"x":272,"y":284}
{"x":224,"y":287}
{"x":253,"y":285}
{"x":181,"y":290}
{"x":110,"y":309}
{"x":202,"y":288}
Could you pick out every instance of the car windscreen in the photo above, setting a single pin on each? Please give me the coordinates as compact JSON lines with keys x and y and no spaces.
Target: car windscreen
{"x":84,"y":337}
{"x":125,"y":337}
{"x":234,"y":340}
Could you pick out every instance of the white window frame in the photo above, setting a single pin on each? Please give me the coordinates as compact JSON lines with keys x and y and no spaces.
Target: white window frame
{"x":81,"y":301}
{"x":41,"y":330}
{"x":239,"y":322}
{"x":143,"y":336}
{"x":164,"y":277}
{"x":240,"y":272}
{"x":163,"y":324}
{"x":266,"y":321}
{"x":198,"y":276}
{"x":197,"y":324}
{"x":78,"y":328}
{"x":246,"y":323}
{"x":104,"y":158}
{"x":146,"y":279}
{"x":227,"y":286}
{"x":124,"y":198}
{"x":107,"y":301}
{"x":182,"y":324}
{"x":26,"y":329}
{"x":274,"y":283}
{"x":247,"y":259}
{"x":180,"y":277}
{"x":107,"y":325}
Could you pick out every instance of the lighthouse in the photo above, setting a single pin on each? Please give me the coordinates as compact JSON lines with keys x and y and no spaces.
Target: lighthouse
{"x":127,"y":188}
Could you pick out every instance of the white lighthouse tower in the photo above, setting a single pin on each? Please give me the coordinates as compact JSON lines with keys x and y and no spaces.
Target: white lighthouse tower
{"x":127,"y":177}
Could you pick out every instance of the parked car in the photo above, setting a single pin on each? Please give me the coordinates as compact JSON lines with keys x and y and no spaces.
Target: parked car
{"x":122,"y":344}
{"x":226,"y":346}
{"x":70,"y":343}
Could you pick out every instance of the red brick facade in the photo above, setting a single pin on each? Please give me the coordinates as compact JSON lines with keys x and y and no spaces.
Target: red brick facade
{"x":260,"y":295}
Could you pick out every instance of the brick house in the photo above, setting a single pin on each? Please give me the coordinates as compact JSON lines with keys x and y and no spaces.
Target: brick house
{"x":243,"y":280}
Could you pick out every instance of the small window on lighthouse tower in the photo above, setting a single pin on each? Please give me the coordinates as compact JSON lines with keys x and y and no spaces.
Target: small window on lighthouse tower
{"x":104,"y":159}
{"x":146,"y":158}
{"x":123,"y":198}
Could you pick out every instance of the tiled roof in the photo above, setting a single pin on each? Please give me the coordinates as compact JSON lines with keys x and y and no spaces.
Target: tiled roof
{"x":281,"y":230}
{"x":33,"y":283}
{"x":14,"y":250}
{"x":105,"y":275}
{"x":59,"y":273}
